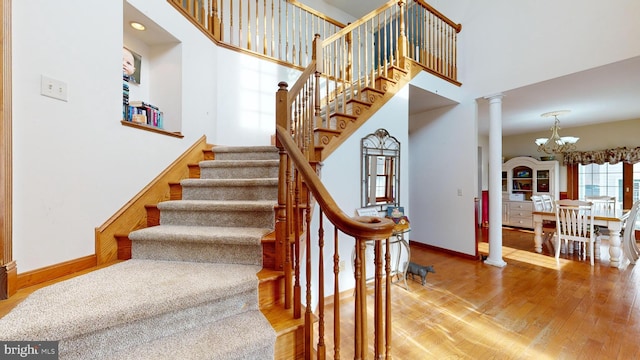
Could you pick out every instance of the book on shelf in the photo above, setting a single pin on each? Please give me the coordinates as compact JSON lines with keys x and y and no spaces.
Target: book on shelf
{"x":139,"y":118}
{"x":141,"y":112}
{"x":140,"y":103}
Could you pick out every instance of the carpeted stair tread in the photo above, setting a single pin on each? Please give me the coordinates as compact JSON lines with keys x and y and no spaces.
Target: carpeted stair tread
{"x":229,"y":182}
{"x":203,"y":234}
{"x":216,"y":205}
{"x":229,"y":189}
{"x":122,"y":293}
{"x":239,"y":169}
{"x":233,"y":213}
{"x":249,"y":149}
{"x":239,"y":163}
{"x":238,"y":337}
{"x":245,"y":152}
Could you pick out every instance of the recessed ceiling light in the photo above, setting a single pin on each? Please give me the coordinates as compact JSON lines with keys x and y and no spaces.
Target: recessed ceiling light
{"x":137,"y":26}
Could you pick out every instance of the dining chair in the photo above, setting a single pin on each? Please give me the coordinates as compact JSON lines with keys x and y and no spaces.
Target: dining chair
{"x":547,"y":201}
{"x":538,"y":205}
{"x":629,"y":242}
{"x":602,"y":205}
{"x":574,"y":225}
{"x":548,"y":227}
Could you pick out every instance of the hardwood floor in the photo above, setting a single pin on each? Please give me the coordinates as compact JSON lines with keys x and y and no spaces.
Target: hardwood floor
{"x":533,"y":308}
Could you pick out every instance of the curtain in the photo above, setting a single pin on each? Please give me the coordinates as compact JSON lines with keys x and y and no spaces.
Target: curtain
{"x":612,"y":156}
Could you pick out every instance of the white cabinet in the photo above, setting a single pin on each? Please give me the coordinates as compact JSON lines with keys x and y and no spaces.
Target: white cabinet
{"x":523,"y":177}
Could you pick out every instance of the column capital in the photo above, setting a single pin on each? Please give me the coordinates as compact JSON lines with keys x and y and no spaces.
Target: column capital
{"x":495,"y":97}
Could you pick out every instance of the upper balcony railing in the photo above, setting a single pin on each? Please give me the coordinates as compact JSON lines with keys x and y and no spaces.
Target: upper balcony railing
{"x":283,"y":30}
{"x":278,"y":29}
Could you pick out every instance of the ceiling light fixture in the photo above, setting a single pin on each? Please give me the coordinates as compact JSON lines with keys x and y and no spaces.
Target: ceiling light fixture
{"x":556,"y":144}
{"x":137,"y":26}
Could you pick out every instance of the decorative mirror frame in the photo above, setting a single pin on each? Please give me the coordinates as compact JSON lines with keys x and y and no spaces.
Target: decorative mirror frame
{"x":380,"y":151}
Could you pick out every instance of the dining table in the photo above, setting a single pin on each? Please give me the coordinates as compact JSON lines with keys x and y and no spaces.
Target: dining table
{"x":612,"y":220}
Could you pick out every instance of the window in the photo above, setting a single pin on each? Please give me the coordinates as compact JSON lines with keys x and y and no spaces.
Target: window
{"x":600,"y":180}
{"x":384,"y":179}
{"x":380,"y":169}
{"x":636,"y":182}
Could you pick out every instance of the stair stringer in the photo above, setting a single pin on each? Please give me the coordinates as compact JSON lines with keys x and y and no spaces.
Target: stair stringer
{"x":398,"y":79}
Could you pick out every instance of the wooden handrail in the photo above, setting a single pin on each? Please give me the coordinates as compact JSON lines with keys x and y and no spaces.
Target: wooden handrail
{"x":296,"y":114}
{"x":349,"y":28}
{"x":363,"y":227}
{"x":299,"y":84}
{"x":437,"y":13}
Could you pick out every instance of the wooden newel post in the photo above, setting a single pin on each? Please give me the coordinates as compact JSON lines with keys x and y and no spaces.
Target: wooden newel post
{"x":283,"y":262}
{"x":282,"y":108}
{"x":402,"y":38}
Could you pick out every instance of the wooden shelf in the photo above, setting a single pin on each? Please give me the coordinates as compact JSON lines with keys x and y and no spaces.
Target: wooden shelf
{"x":152,"y":129}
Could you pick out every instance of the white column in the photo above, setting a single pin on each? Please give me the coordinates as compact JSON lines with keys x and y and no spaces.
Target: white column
{"x":495,"y":181}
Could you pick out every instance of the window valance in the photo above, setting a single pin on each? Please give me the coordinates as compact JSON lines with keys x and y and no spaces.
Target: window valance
{"x":612,"y":156}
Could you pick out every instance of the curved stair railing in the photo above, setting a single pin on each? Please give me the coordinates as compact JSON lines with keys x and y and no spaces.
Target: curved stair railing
{"x":348,"y":70}
{"x":300,"y":186}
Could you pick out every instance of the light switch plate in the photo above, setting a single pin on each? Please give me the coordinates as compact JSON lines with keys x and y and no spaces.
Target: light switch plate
{"x":53,"y":88}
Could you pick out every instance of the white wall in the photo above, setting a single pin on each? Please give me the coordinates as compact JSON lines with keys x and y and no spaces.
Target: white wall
{"x":74,"y":164}
{"x":443,"y":181}
{"x":246,"y":104}
{"x":65,"y":154}
{"x":509,"y":44}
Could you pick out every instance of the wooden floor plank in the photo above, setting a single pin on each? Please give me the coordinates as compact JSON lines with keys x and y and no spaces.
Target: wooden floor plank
{"x":536,"y":307}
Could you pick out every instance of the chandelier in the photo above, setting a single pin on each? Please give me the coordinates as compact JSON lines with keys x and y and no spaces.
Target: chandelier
{"x":556,"y":144}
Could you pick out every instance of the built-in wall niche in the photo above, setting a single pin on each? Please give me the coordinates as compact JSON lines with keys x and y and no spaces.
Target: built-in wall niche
{"x":151,"y":99}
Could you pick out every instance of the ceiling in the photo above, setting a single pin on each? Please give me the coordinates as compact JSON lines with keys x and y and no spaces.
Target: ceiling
{"x":603,"y":94}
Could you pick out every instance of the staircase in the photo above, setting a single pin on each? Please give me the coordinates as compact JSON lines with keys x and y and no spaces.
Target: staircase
{"x":342,"y":117}
{"x":190,"y":289}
